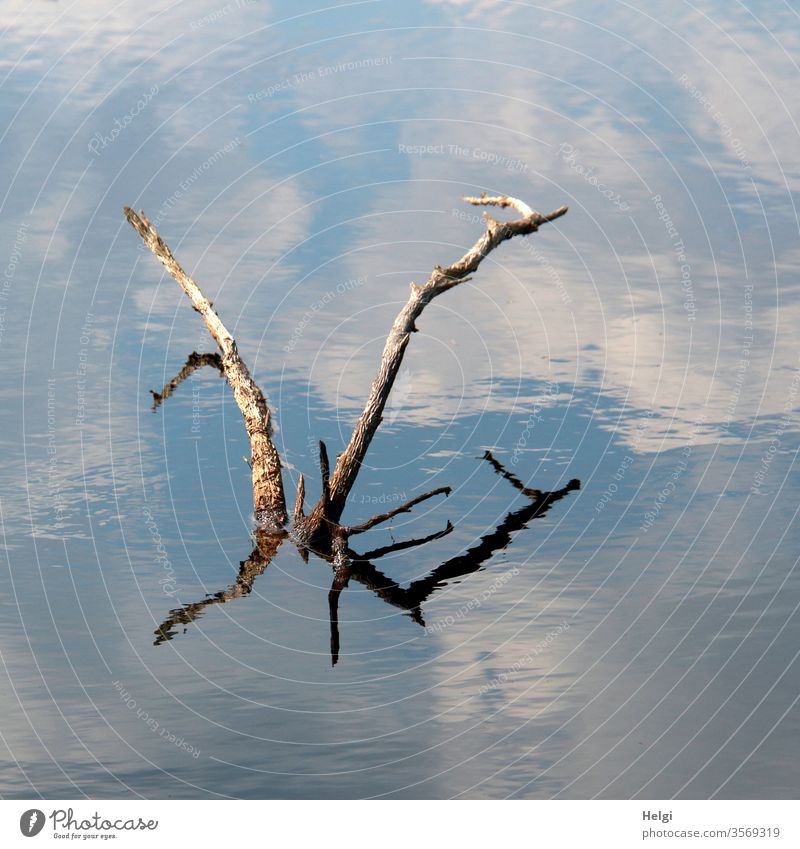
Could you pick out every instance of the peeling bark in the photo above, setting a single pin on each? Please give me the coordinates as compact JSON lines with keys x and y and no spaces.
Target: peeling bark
{"x":268,"y":499}
{"x":440,"y":281}
{"x":268,"y":496}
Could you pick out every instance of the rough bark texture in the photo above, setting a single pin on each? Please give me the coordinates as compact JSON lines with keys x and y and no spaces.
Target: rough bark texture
{"x":320,"y":528}
{"x":194,"y":362}
{"x":268,"y":498}
{"x":321,"y":531}
{"x":441,"y":280}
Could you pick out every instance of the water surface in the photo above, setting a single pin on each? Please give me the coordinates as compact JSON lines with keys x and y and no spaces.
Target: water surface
{"x":305,"y":163}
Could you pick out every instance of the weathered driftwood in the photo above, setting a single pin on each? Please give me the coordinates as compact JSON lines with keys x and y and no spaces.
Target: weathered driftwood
{"x":268,"y":499}
{"x":440,"y":281}
{"x":321,"y":530}
{"x":268,"y":495}
{"x":348,"y":564}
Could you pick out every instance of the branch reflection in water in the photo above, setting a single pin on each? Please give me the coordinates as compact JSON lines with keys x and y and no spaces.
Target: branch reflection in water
{"x":348,"y":564}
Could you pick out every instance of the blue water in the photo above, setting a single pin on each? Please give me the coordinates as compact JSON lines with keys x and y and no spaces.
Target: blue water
{"x":636,"y":639}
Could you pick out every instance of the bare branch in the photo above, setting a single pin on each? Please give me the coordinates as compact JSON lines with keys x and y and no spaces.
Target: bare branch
{"x":403,"y":508}
{"x":441,"y":280}
{"x":299,"y":515}
{"x":194,"y":362}
{"x":377,"y":553}
{"x":325,"y":471}
{"x":522,"y":208}
{"x":268,"y":497}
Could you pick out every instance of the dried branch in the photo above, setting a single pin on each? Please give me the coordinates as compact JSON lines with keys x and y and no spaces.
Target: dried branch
{"x":194,"y":362}
{"x":268,"y":497}
{"x":441,"y":280}
{"x":347,"y":564}
{"x":320,"y":531}
{"x":299,"y":500}
{"x":403,"y":508}
{"x":325,"y":474}
{"x":377,"y":553}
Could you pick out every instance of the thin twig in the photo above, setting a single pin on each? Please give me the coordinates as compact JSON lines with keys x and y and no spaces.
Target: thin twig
{"x":299,"y":501}
{"x":194,"y":362}
{"x":403,"y":508}
{"x":377,"y":553}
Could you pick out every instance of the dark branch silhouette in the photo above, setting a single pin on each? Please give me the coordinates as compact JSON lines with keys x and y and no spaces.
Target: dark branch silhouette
{"x":464,"y":564}
{"x":403,"y":508}
{"x":267,"y":545}
{"x":377,"y":553}
{"x":349,"y":564}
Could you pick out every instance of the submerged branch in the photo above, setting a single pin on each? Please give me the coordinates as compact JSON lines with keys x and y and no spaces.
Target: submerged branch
{"x":320,"y":531}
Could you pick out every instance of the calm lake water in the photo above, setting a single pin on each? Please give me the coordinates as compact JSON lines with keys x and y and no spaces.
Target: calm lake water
{"x":640,"y":637}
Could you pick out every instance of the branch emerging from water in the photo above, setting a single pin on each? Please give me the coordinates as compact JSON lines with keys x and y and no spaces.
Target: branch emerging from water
{"x":268,"y":499}
{"x":441,"y":280}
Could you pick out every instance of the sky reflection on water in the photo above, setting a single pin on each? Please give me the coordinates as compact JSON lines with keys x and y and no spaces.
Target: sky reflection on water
{"x":305,"y":165}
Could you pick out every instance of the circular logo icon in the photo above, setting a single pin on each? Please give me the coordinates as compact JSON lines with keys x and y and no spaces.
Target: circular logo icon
{"x":31,"y":822}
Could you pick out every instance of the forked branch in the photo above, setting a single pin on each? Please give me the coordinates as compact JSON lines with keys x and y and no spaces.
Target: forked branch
{"x":268,"y":495}
{"x":321,"y":531}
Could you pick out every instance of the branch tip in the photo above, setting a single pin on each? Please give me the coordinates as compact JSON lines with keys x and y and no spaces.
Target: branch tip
{"x":300,"y":499}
